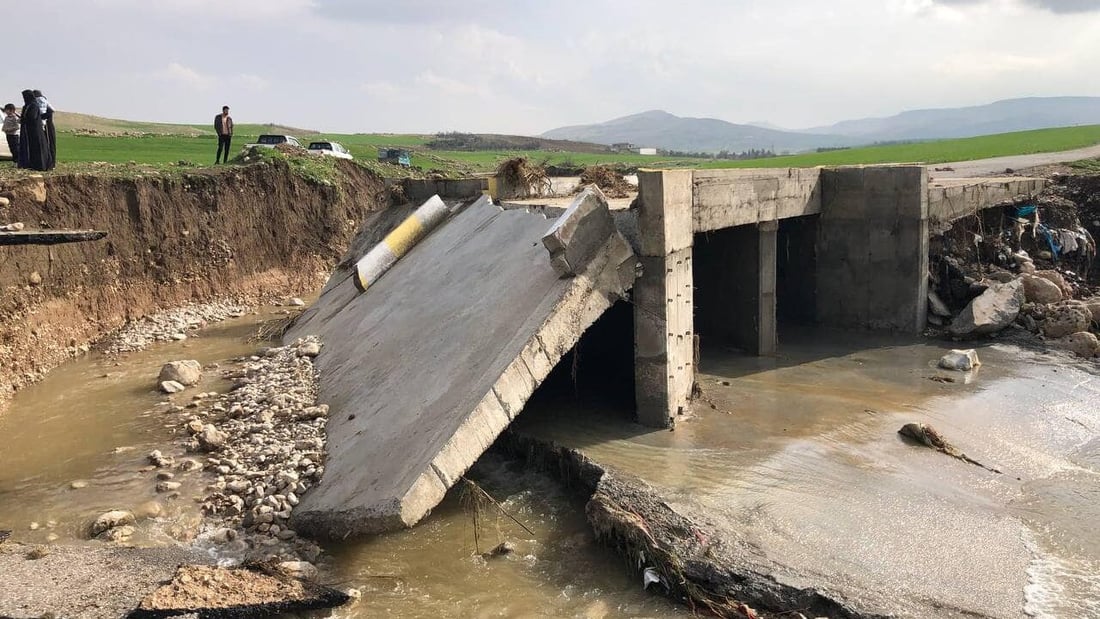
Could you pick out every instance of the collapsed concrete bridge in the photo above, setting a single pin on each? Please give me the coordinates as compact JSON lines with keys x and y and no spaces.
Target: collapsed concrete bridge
{"x":426,"y":368}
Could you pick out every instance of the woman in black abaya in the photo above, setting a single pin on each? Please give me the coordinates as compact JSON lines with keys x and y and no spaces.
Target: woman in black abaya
{"x":34,"y":146}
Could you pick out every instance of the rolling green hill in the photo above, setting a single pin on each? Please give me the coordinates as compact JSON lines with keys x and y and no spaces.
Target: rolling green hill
{"x":91,"y":139}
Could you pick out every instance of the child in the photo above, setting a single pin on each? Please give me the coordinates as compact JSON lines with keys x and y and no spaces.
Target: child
{"x":11,"y":130}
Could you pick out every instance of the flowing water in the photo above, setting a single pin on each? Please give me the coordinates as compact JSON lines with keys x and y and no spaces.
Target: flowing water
{"x":798,"y":455}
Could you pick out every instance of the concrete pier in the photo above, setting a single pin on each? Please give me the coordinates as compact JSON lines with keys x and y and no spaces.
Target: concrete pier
{"x":663,"y":297}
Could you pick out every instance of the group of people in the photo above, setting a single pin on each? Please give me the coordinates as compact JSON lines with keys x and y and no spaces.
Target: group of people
{"x":31,"y":136}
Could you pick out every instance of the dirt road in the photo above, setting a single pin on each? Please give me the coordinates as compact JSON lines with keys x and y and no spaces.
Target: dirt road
{"x":998,"y":165}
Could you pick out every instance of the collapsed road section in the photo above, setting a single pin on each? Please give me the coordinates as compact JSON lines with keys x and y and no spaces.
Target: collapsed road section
{"x":426,"y":368}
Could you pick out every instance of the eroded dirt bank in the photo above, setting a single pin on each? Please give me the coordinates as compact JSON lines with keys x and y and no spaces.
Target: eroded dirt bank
{"x":244,"y":232}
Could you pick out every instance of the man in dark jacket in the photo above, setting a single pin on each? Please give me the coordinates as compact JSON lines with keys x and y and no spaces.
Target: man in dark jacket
{"x":223,"y":126}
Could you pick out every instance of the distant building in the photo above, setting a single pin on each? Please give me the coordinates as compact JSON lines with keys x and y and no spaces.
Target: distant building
{"x":647,"y":151}
{"x":622,"y":147}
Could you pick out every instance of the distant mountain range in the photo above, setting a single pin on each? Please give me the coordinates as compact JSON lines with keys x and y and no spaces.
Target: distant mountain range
{"x":667,"y":131}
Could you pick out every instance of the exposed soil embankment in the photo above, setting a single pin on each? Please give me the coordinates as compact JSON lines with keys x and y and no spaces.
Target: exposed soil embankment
{"x":242,"y":232}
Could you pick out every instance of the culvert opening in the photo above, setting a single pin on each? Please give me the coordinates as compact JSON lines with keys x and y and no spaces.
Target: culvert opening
{"x":796,"y":271}
{"x":598,"y":374}
{"x":726,"y":278}
{"x":732,"y":271}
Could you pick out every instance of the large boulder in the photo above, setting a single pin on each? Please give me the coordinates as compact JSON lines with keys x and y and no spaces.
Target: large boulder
{"x":962,"y":360}
{"x":186,"y":373}
{"x":1041,"y":290}
{"x":1002,"y":277}
{"x":1057,"y":279}
{"x":1094,"y":310}
{"x":111,"y":520}
{"x":993,"y":310}
{"x":1083,"y":344}
{"x":211,"y":438}
{"x":1065,"y":320}
{"x":936,"y":306}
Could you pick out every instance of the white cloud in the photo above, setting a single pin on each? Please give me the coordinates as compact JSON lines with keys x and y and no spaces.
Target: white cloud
{"x":381,"y":89}
{"x":253,"y":82}
{"x":212,"y":10}
{"x":526,"y":66}
{"x":177,"y":74}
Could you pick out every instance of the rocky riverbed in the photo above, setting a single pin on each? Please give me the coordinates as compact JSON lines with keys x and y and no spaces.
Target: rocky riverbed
{"x":172,"y":325}
{"x":253,"y":451}
{"x":264,"y":446}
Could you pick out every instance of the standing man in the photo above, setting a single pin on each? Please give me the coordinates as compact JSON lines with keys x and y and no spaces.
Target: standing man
{"x":223,"y":126}
{"x":11,"y":131}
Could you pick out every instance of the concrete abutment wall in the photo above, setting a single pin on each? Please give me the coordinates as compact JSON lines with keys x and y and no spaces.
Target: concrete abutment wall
{"x":872,"y":248}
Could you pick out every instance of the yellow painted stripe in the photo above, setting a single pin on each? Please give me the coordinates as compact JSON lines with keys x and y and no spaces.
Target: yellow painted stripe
{"x":404,"y":236}
{"x":362,"y":282}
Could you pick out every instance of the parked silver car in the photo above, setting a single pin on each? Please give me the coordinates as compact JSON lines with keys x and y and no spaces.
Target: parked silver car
{"x":271,"y":141}
{"x":329,"y":148}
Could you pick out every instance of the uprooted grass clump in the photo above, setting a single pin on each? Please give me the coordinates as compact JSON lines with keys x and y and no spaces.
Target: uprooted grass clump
{"x":528,"y":177}
{"x":317,"y":169}
{"x":609,"y":180}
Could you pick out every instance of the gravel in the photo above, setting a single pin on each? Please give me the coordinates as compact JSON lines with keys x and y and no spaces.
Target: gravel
{"x":261,"y":446}
{"x":171,"y":325}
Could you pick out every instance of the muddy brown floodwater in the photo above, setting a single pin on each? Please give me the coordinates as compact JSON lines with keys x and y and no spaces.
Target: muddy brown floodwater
{"x":92,"y":421}
{"x":799,"y":457}
{"x":73,"y":444}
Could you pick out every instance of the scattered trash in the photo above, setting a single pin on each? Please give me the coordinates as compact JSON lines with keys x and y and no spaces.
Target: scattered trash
{"x":650,"y":576}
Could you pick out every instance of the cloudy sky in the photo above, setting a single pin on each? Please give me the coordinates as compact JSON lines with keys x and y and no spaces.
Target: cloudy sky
{"x":525,"y":66}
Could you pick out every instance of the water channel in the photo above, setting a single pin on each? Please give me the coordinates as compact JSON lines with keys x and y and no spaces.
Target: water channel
{"x":798,"y":454}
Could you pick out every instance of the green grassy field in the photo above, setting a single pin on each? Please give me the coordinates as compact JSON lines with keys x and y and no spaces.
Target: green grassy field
{"x":200,"y":149}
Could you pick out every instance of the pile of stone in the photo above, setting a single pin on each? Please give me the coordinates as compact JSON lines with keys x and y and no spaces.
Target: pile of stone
{"x":264,"y":445}
{"x":172,"y":325}
{"x":1040,"y":301}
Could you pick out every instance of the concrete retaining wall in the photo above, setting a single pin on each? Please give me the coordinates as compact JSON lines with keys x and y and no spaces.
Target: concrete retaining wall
{"x":419,"y":190}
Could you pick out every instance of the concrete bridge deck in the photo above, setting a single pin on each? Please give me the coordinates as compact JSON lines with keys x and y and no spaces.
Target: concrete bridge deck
{"x":425,"y":369}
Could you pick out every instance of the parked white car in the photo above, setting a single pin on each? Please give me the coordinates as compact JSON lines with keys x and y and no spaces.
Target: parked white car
{"x":271,"y":141}
{"x":329,"y":149}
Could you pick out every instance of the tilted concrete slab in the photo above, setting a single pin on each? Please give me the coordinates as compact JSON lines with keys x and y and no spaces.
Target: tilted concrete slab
{"x":424,"y":370}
